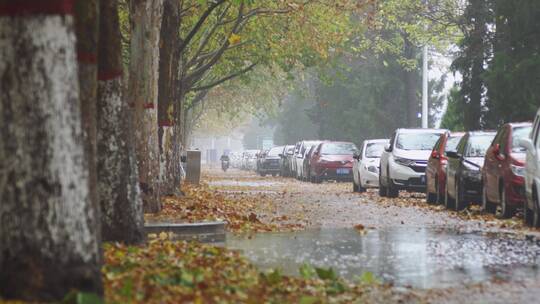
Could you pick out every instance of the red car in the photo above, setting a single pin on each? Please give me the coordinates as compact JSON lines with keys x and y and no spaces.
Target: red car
{"x":332,"y":161}
{"x":503,"y":172}
{"x":436,"y":168}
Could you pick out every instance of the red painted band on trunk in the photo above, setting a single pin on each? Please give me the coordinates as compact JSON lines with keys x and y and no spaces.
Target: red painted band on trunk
{"x":165,"y":123}
{"x":36,"y":7}
{"x":85,"y":57}
{"x":109,"y":75}
{"x":149,"y":105}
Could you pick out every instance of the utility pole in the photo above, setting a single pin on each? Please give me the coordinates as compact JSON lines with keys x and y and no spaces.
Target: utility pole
{"x":425,"y":88}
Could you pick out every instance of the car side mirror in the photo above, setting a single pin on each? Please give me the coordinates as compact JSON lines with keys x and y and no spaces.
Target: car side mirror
{"x":526,"y":144}
{"x":388,"y":148}
{"x":453,"y":154}
{"x":356,"y":155}
{"x":281,"y":155}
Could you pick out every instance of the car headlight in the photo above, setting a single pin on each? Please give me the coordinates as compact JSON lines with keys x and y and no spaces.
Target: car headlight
{"x":373,"y":169}
{"x":518,"y":170}
{"x":403,"y":161}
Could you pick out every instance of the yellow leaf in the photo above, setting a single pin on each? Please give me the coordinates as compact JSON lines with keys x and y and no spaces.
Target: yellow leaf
{"x":234,"y":39}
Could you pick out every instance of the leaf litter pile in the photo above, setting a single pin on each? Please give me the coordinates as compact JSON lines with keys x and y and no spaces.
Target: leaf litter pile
{"x":243,"y":213}
{"x":178,"y":272}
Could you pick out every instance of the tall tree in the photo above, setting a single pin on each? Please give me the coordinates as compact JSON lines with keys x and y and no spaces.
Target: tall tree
{"x":86,"y":29}
{"x":119,"y":194}
{"x":47,"y":221}
{"x":471,"y":60}
{"x":143,"y":92}
{"x":169,"y":69}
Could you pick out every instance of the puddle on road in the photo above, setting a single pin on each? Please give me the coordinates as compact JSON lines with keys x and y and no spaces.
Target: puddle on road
{"x":233,"y":183}
{"x":422,"y":258}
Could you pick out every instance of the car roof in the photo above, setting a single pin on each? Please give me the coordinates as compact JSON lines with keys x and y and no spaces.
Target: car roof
{"x":481,"y":133}
{"x":336,"y":142}
{"x":419,"y":131}
{"x":519,"y":124}
{"x":370,"y":141}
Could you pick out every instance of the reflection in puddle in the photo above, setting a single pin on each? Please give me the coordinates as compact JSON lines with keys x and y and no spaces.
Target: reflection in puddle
{"x":424,"y":258}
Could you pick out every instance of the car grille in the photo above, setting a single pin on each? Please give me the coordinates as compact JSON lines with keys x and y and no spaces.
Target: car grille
{"x":419,"y":166}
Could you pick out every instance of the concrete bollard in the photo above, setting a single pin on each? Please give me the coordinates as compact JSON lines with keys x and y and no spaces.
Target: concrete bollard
{"x":193,"y":170}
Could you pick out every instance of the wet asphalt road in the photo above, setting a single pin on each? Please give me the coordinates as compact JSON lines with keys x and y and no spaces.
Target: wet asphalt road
{"x":438,"y":255}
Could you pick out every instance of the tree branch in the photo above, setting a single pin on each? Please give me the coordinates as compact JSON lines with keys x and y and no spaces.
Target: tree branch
{"x":199,"y":24}
{"x":222,"y":80}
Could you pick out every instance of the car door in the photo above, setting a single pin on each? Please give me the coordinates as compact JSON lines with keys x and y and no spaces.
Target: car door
{"x":433,"y":164}
{"x":356,"y":164}
{"x":383,"y":167}
{"x":492,"y":164}
{"x":454,"y":165}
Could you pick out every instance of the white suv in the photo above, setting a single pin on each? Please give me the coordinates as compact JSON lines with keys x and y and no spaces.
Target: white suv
{"x":302,"y":151}
{"x":404,"y":161}
{"x":531,"y":209}
{"x":366,"y":164}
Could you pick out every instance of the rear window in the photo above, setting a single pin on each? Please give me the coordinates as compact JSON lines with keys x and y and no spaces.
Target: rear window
{"x":517,"y":134}
{"x":338,"y":149}
{"x":478,"y":145}
{"x":451,"y":143}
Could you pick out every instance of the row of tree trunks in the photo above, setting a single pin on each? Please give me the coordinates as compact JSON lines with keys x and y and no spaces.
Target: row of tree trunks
{"x":142,"y":94}
{"x":167,"y":97}
{"x":119,"y":194}
{"x":48,"y":224}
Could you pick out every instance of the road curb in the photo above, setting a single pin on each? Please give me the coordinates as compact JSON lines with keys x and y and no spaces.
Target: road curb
{"x":207,"y":232}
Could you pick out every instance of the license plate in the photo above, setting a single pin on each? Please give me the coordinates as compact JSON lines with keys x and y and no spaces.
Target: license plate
{"x":423,"y":179}
{"x":341,"y":171}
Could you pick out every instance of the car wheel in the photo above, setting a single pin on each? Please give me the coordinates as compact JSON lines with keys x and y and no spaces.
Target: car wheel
{"x":431,"y":198}
{"x":361,"y":188}
{"x":487,"y":206}
{"x":505,"y":210}
{"x":527,"y":214}
{"x":460,"y":202}
{"x":392,"y":191}
{"x":448,"y":201}
{"x":354,"y":186}
{"x":274,"y":174}
{"x":382,"y":188}
{"x":263,"y":174}
{"x":440,"y":196}
{"x":536,"y":212}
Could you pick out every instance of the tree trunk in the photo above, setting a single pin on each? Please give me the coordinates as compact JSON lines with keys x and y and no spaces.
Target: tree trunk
{"x":412,"y":86}
{"x":86,"y":29}
{"x":119,"y":194}
{"x":48,"y":232}
{"x":142,"y":93}
{"x":167,"y":96}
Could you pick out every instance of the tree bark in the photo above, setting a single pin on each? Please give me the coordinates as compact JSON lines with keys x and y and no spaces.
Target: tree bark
{"x":142,"y":93}
{"x":119,"y":194}
{"x":48,"y":233}
{"x":167,"y":95}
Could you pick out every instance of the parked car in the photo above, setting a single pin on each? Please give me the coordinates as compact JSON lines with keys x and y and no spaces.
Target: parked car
{"x":531,"y":210}
{"x":271,"y":162}
{"x":307,"y":164}
{"x":249,"y":159}
{"x":366,"y":164}
{"x":436,"y":168}
{"x":463,"y":172}
{"x":260,"y":159}
{"x":332,"y":161}
{"x":286,"y":161}
{"x":304,"y":149}
{"x":404,"y":161}
{"x":294,"y":156}
{"x":503,"y":173}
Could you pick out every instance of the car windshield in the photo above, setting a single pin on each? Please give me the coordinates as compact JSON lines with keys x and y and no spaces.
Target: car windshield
{"x":338,"y":149}
{"x":451,"y":143}
{"x":375,"y":150}
{"x":417,"y":141}
{"x":275,"y":151}
{"x":478,"y":145}
{"x":517,"y":134}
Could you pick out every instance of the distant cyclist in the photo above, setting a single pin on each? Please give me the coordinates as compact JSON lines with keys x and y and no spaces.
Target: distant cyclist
{"x":225,"y":162}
